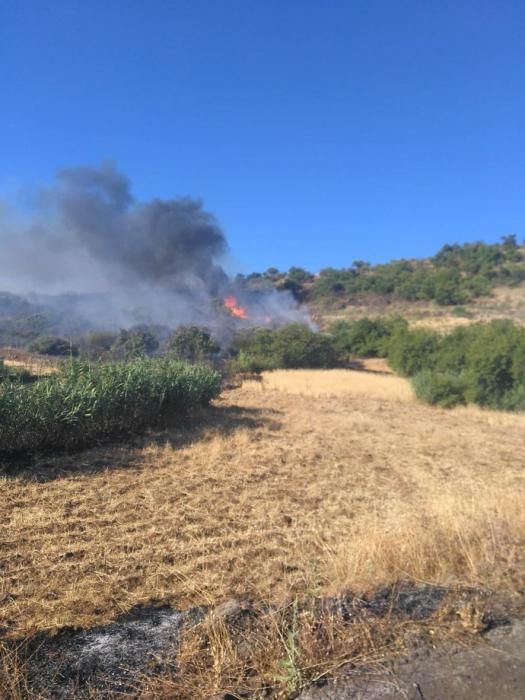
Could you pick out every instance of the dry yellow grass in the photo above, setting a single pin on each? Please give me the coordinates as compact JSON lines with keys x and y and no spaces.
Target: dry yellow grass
{"x":335,"y":382}
{"x":35,"y":367}
{"x":274,"y":494}
{"x":36,"y":364}
{"x":441,"y":324}
{"x":501,"y":303}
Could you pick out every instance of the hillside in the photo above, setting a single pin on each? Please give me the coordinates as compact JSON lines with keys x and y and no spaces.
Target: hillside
{"x":502,"y":302}
{"x":475,"y":281}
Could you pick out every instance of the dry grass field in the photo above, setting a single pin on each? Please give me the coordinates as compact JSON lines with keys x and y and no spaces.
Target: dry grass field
{"x":502,"y":303}
{"x":280,"y":490}
{"x":309,"y":483}
{"x":34,"y":363}
{"x":337,"y":382}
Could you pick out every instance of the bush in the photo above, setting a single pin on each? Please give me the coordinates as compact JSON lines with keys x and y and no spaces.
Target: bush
{"x":246,"y":363}
{"x":53,"y":345}
{"x":297,"y":346}
{"x":365,"y":337}
{"x":84,"y":404}
{"x":291,"y":347}
{"x":482,"y":364}
{"x":444,"y":389}
{"x":134,"y":343}
{"x":98,"y":344}
{"x":453,"y":276}
{"x":192,"y":344}
{"x":514,"y":400}
{"x":409,"y":352}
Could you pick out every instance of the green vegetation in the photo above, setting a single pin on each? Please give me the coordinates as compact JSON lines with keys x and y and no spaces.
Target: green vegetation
{"x":365,"y":337}
{"x":445,"y":389}
{"x":19,"y":331}
{"x":409,"y":352}
{"x":134,"y":343}
{"x":97,"y":345}
{"x":15,"y":374}
{"x":482,"y":364}
{"x":454,"y":276}
{"x":192,"y":344}
{"x":53,"y":345}
{"x":290,"y":347}
{"x":84,"y":404}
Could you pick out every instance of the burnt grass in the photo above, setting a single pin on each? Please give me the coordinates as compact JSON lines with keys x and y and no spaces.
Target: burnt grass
{"x":111,"y":659}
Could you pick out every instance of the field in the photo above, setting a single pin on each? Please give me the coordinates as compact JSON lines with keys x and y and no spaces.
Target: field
{"x":308,"y":483}
{"x":37,"y":365}
{"x":501,"y":303}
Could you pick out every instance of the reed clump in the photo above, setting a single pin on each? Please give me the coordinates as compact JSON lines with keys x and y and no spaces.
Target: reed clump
{"x":83,"y":403}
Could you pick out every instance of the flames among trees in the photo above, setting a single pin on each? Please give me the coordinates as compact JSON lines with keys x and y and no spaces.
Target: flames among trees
{"x":235,"y":309}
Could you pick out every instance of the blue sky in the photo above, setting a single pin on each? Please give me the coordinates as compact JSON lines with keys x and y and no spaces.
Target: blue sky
{"x":317,"y":132}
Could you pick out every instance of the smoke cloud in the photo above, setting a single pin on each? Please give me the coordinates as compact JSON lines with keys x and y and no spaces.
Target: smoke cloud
{"x":113,"y":261}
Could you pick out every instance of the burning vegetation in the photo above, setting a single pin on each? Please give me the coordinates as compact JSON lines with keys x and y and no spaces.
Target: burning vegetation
{"x":233,"y":306}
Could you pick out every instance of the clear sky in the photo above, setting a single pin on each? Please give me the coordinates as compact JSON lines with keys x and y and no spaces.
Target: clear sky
{"x":318,"y":132}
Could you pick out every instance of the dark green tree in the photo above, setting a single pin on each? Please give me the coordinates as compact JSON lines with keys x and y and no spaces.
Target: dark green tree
{"x":53,"y":345}
{"x":193,"y":344}
{"x":134,"y":343}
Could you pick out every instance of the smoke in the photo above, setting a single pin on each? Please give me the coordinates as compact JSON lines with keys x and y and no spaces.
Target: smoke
{"x":114,"y":261}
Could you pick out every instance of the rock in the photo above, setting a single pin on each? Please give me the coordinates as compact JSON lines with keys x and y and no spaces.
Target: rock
{"x":228,"y":611}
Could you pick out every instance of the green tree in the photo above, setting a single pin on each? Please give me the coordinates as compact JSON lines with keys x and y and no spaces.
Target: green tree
{"x":298,"y":346}
{"x":365,"y":337}
{"x":134,"y":343}
{"x":193,"y":344}
{"x":53,"y":345}
{"x":409,"y":352}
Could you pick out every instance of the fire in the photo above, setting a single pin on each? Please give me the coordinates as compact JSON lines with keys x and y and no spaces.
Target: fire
{"x":233,"y":307}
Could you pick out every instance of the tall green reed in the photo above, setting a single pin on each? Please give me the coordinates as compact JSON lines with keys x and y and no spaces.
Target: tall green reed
{"x":83,"y":403}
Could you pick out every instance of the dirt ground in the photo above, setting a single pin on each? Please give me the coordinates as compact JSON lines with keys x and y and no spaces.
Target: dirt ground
{"x":492,"y":669}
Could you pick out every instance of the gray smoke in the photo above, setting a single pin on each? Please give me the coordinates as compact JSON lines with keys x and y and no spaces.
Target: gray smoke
{"x":121,"y":261}
{"x":164,"y":243}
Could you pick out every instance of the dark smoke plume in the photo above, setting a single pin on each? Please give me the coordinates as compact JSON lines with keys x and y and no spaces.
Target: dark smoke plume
{"x":127,"y":261}
{"x":166,"y":243}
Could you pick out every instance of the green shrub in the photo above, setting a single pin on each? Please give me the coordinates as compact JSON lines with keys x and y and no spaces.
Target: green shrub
{"x":134,"y":343}
{"x":298,"y":346}
{"x":514,"y":400}
{"x":409,"y":352}
{"x":98,"y":344}
{"x":291,"y":347}
{"x":483,"y":363}
{"x":365,"y":337}
{"x":53,"y":345}
{"x":20,"y":330}
{"x":84,"y":404}
{"x":246,"y":363}
{"x":448,"y":292}
{"x":192,"y":344}
{"x":453,"y":276}
{"x":444,"y":389}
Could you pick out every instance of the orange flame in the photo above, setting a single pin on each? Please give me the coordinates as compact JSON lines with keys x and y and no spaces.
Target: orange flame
{"x":233,"y":307}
